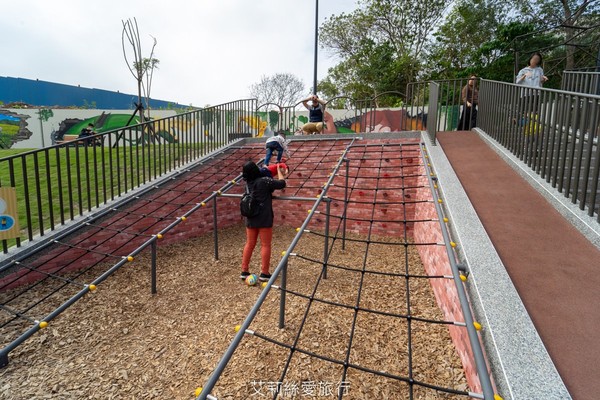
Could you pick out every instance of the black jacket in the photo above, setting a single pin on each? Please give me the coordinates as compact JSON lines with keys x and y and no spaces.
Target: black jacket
{"x":262,"y":189}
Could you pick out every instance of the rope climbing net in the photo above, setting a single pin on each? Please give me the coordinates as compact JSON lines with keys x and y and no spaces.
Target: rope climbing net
{"x":373,"y":191}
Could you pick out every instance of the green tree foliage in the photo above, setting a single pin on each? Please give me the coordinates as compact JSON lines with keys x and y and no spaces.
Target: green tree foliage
{"x":385,"y":43}
{"x":380,"y":45}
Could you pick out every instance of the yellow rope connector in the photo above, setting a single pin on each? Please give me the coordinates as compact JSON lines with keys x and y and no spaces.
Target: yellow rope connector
{"x":159,"y":236}
{"x":183,"y":218}
{"x":283,"y":253}
{"x":445,"y":219}
{"x":435,"y":186}
{"x":440,"y":201}
{"x":477,"y":325}
{"x":263,"y":285}
{"x":237,"y":328}
{"x":197,"y":391}
{"x":130,"y":258}
{"x":431,"y":174}
{"x":43,"y":324}
{"x":218,"y":192}
{"x":463,"y":277}
{"x":498,"y":397}
{"x":452,"y":244}
{"x":233,"y":181}
{"x":309,"y":211}
{"x":297,"y":229}
{"x":92,"y":287}
{"x":203,"y":204}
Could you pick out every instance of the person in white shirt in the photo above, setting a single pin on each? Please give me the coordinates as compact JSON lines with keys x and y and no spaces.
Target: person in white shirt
{"x":279,"y":144}
{"x":533,"y":74}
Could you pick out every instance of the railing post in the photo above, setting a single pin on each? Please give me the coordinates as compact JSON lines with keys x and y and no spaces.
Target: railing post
{"x":432,"y":114}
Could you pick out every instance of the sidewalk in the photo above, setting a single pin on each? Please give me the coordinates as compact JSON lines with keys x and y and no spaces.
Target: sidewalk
{"x":554,"y":268}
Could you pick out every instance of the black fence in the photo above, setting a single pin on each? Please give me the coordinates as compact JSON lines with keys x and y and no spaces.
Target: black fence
{"x":57,"y":184}
{"x":554,"y":132}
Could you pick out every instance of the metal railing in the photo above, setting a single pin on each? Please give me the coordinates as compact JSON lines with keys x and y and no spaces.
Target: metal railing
{"x":62,"y":182}
{"x":447,"y":106}
{"x":357,"y":116}
{"x":554,"y":132}
{"x":587,"y":82}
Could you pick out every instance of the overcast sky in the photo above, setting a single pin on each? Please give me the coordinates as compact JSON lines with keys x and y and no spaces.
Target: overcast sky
{"x":210,"y":52}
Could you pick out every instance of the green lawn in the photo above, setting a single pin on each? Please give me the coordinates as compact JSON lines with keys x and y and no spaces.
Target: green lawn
{"x":82,"y":177}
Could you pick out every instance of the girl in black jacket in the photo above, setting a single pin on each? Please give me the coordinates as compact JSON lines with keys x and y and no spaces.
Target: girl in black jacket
{"x":262,"y":224}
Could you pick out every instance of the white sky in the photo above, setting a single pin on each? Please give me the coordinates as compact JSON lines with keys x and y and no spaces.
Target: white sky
{"x":210,"y":52}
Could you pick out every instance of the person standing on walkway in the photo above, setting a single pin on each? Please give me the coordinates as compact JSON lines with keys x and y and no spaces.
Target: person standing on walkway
{"x":261,"y":225}
{"x":532,"y":77}
{"x":533,"y":74}
{"x":316,"y":115}
{"x":470,"y":98}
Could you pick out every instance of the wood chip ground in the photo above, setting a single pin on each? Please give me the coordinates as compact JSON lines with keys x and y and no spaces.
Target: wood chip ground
{"x":123,"y":343}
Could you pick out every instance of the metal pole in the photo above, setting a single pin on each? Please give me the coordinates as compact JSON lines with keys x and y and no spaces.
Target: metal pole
{"x":316,"y":45}
{"x":282,"y":295}
{"x":153,"y":269}
{"x":215,"y":232}
{"x":344,"y":217}
{"x":326,"y":249}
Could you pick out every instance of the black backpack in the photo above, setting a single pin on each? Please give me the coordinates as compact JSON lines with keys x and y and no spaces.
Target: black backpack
{"x":249,"y":205}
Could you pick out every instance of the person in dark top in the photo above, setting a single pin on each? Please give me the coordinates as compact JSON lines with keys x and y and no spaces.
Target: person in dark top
{"x":316,"y":115}
{"x":470,"y":98}
{"x":261,"y":225}
{"x":86,"y":133}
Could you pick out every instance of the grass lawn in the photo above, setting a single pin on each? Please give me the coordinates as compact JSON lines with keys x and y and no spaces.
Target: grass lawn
{"x":72,"y":180}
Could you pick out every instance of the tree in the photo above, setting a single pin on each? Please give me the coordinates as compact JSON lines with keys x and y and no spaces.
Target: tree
{"x":572,"y":18}
{"x":381,"y":45}
{"x":283,"y":89}
{"x":454,"y":50}
{"x":142,"y":68}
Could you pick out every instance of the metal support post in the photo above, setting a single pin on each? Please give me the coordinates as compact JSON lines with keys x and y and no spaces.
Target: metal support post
{"x":215,"y":230}
{"x":153,"y":268}
{"x":282,"y":295}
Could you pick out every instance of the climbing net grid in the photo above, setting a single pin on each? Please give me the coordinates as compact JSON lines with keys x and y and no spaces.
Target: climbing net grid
{"x":36,"y":286}
{"x":357,"y":321}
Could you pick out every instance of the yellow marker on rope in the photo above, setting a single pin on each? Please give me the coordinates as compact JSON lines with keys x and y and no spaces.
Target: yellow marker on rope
{"x":498,"y":397}
{"x":130,"y":258}
{"x":463,"y":277}
{"x":283,"y":253}
{"x":237,"y":328}
{"x":92,"y":287}
{"x":159,"y":236}
{"x":297,"y":229}
{"x":198,"y":391}
{"x":43,"y":324}
{"x":183,"y":218}
{"x":445,"y":219}
{"x":452,"y":244}
{"x":440,"y":201}
{"x":477,"y":325}
{"x":203,"y":204}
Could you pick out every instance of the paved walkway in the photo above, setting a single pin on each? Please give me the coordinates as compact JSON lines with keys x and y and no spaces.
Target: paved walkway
{"x":554,"y":268}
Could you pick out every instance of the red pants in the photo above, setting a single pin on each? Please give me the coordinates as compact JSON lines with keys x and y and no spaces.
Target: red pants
{"x":252,"y":234}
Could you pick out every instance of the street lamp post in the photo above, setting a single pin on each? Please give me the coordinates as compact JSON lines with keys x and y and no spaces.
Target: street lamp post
{"x":316,"y":46}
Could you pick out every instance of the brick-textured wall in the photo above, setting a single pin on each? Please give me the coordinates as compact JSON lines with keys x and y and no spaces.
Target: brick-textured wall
{"x":435,"y":260}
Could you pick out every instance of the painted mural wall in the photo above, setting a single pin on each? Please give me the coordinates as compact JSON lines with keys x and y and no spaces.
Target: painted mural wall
{"x":35,"y":128}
